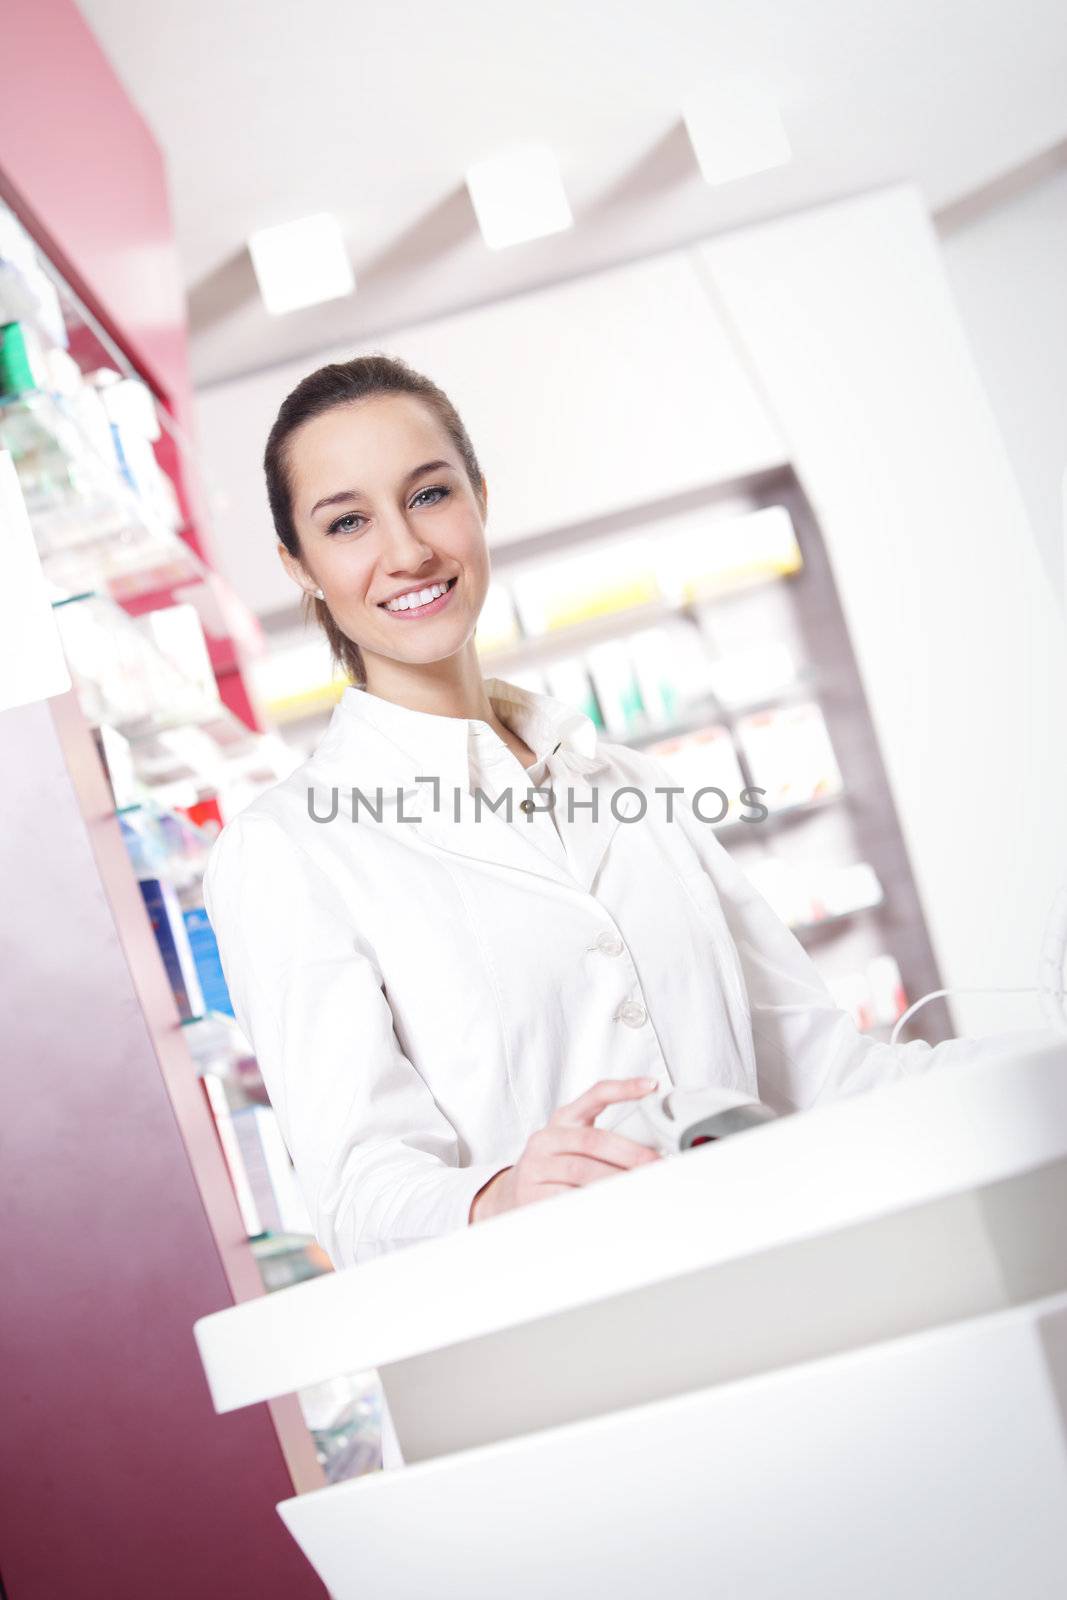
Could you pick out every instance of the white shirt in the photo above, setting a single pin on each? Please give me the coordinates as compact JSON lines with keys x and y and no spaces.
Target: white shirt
{"x":494,"y":768}
{"x":424,"y":986}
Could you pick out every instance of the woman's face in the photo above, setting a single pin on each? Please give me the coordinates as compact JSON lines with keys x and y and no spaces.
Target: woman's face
{"x":383,"y":507}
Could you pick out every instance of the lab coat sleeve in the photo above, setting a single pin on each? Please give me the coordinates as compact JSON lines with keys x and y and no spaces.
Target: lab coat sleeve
{"x":808,"y":1050}
{"x":377,"y":1161}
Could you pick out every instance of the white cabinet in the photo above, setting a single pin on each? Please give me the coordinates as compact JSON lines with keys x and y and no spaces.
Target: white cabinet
{"x":848,"y":320}
{"x":604,"y":393}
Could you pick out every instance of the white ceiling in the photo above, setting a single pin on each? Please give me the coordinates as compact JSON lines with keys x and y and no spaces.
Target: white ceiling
{"x":269,"y":111}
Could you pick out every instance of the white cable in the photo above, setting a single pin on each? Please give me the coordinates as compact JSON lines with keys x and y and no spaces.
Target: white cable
{"x":938,"y":994}
{"x":1050,"y":984}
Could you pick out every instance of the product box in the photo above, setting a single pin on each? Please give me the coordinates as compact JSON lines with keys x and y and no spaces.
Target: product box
{"x":789,"y":755}
{"x":717,"y":554}
{"x":748,"y":676}
{"x":875,"y":997}
{"x":705,"y":759}
{"x":615,"y":681}
{"x":168,"y":925}
{"x":804,"y":893}
{"x":215,"y":1090}
{"x":569,"y":681}
{"x":654,"y":666}
{"x":271,"y":1178}
{"x":116,"y":758}
{"x":559,"y":591}
{"x":205,"y":953}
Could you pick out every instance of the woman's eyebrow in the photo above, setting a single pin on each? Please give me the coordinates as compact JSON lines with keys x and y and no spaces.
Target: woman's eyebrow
{"x":344,"y":495}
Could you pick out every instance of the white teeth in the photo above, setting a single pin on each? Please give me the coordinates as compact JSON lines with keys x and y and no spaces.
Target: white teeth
{"x":422,"y":598}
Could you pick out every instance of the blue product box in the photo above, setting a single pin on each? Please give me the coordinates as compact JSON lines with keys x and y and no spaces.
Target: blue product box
{"x":206,"y":956}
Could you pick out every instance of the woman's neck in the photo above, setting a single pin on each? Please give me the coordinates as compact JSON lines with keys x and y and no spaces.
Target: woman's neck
{"x":452,"y":688}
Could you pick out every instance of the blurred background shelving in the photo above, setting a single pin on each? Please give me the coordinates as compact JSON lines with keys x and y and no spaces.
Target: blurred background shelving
{"x":152,"y":637}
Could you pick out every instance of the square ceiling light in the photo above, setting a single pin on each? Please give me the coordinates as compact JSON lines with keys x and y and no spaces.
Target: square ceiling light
{"x":735,"y":132}
{"x":518,"y":195}
{"x":301,"y":263}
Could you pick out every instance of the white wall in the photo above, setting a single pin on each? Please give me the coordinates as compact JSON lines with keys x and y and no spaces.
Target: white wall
{"x":848,"y":320}
{"x":1008,"y":270}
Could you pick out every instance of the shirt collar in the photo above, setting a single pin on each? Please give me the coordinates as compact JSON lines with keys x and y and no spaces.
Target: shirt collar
{"x":371,"y":739}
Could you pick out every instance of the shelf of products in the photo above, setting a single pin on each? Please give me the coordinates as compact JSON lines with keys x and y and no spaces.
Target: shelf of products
{"x":108,"y":524}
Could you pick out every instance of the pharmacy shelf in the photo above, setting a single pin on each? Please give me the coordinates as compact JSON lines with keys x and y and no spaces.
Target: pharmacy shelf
{"x":108,"y":549}
{"x":738,"y":828}
{"x":535,"y":650}
{"x":100,"y":535}
{"x":178,"y":729}
{"x":811,"y":930}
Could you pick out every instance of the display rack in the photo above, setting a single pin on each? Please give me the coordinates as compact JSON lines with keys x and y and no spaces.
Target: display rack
{"x":114,"y":565}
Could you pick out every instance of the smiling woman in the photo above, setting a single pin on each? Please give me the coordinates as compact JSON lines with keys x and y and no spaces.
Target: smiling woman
{"x":445,"y":1001}
{"x":396,"y":547}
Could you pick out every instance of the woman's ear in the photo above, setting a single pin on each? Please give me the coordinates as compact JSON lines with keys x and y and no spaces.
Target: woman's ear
{"x":293,"y":567}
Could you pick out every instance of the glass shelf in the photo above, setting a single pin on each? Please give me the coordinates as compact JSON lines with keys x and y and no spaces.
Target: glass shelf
{"x":804,"y":930}
{"x":784,"y":814}
{"x":178,"y":729}
{"x":93,"y":530}
{"x":535,"y":650}
{"x":60,"y":319}
{"x":712,"y":712}
{"x":122,"y":678}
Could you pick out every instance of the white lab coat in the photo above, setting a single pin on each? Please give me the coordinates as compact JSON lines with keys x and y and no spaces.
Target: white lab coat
{"x":422,"y":994}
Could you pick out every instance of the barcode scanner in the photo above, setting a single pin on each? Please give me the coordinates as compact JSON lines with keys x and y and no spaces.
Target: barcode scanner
{"x":681,"y":1119}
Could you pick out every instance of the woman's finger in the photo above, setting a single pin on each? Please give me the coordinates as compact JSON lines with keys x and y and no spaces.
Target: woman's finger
{"x":615,"y":1149}
{"x":577,"y":1171}
{"x":607,"y":1092}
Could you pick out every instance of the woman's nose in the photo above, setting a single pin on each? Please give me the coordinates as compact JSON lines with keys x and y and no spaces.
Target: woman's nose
{"x":402,"y":549}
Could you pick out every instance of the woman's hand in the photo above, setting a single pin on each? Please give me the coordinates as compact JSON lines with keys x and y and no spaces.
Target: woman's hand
{"x":568,"y":1152}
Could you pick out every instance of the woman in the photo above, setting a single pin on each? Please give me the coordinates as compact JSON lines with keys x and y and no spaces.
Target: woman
{"x":443,"y":1000}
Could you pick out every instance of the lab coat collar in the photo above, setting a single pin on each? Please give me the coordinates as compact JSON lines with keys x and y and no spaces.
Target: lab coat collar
{"x":373,"y":744}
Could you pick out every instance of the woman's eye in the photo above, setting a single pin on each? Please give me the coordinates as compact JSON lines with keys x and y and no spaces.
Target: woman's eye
{"x":346,"y":523}
{"x":437,"y":488}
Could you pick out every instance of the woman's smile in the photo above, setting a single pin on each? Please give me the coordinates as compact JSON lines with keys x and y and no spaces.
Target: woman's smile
{"x":406,"y":611}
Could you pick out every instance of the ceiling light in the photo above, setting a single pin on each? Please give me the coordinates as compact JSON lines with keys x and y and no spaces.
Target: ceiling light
{"x":301,"y":263}
{"x":518,"y":195}
{"x":735,"y":132}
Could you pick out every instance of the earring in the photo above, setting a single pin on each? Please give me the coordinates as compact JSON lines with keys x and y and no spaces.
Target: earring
{"x":319,"y":595}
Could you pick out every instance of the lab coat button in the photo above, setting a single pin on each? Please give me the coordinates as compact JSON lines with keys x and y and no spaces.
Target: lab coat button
{"x":632,"y":1014}
{"x":610,"y":943}
{"x":526,"y":805}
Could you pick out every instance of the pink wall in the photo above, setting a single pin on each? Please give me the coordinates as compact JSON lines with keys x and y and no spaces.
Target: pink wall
{"x":79,"y":164}
{"x":117,"y":1479}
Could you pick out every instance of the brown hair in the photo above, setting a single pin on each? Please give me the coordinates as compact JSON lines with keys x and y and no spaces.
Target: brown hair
{"x":343,"y":383}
